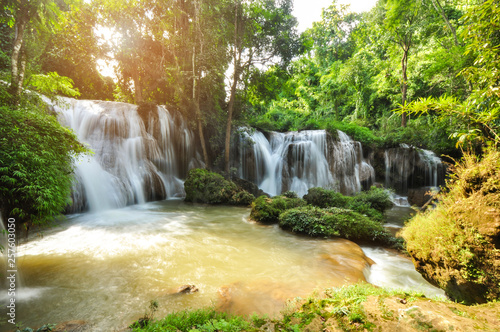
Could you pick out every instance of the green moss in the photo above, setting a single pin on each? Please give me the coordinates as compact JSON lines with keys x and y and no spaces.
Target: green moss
{"x":325,"y":198}
{"x":376,"y":198}
{"x":344,"y":223}
{"x":267,"y":210}
{"x":202,"y":186}
{"x":371,"y":203}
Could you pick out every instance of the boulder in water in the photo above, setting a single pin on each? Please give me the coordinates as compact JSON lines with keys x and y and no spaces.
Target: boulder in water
{"x":203,"y":186}
{"x":72,"y":326}
{"x":420,"y":196}
{"x":187,"y":289}
{"x":249,"y":187}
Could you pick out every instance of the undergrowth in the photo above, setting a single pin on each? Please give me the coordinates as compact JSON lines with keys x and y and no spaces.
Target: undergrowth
{"x":457,"y":243}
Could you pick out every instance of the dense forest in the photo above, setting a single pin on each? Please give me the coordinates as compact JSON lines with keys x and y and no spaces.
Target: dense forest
{"x":421,"y":72}
{"x":230,"y":63}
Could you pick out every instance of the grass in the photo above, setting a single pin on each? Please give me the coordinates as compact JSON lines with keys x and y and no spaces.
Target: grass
{"x":207,"y":320}
{"x":455,"y":242}
{"x":344,"y":305}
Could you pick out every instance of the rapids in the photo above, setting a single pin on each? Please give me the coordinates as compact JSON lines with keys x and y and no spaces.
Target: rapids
{"x":105,"y":267}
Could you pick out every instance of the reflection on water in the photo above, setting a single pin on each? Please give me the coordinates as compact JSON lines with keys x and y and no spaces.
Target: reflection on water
{"x":105,"y":268}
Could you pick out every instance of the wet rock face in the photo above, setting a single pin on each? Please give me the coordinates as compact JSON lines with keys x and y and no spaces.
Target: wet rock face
{"x":407,"y":167}
{"x":420,"y":196}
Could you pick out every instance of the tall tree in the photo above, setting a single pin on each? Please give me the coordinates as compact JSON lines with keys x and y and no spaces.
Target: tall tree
{"x":25,"y":16}
{"x":403,"y":18}
{"x":73,"y":52}
{"x":263,"y":30}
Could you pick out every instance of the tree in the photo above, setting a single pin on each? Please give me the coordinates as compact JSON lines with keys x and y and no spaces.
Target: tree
{"x":332,"y":35}
{"x":440,"y":10}
{"x":479,"y":114}
{"x":262,"y":31}
{"x":73,"y":50}
{"x":402,"y":20}
{"x":25,"y":17}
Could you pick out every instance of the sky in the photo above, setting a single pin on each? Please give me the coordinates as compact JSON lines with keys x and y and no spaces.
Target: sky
{"x":309,"y":11}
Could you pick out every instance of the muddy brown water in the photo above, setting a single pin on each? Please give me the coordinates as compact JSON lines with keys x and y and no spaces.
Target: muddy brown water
{"x":104,"y":268}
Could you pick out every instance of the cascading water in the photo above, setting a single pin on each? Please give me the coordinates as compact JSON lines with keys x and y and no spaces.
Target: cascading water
{"x":432,"y":168}
{"x":298,"y":161}
{"x":139,"y":156}
{"x":408,"y":167}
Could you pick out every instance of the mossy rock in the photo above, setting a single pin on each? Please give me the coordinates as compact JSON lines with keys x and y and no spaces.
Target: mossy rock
{"x":203,"y":186}
{"x":371,"y":203}
{"x":338,"y":222}
{"x":267,"y":210}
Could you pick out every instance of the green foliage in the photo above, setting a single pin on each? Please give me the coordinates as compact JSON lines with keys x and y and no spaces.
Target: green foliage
{"x":203,"y":320}
{"x":36,"y":155}
{"x":51,"y":84}
{"x":344,"y":223}
{"x":44,"y":328}
{"x":325,"y":198}
{"x":376,"y":198}
{"x":456,"y":244}
{"x":267,"y":210}
{"x":426,"y":132}
{"x":478,"y":115}
{"x":74,"y":50}
{"x":203,"y":186}
{"x":290,"y":194}
{"x":371,"y":203}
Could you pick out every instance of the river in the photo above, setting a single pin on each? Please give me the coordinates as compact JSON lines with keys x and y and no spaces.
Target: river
{"x":105,"y":267}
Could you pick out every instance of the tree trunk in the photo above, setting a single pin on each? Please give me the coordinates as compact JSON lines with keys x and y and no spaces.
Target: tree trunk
{"x":196,"y":102}
{"x":17,"y":74}
{"x":138,"y":89}
{"x":230,"y":108}
{"x":233,"y":92}
{"x":441,"y":12}
{"x":404,"y":87}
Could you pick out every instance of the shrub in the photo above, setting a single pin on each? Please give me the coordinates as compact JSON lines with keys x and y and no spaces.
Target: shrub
{"x":456,"y":244}
{"x":267,"y":210}
{"x":36,"y":163}
{"x":325,"y":198}
{"x":377,"y":198}
{"x":290,"y":194}
{"x":314,"y":221}
{"x":371,"y":203}
{"x":242,"y":198}
{"x":203,"y":186}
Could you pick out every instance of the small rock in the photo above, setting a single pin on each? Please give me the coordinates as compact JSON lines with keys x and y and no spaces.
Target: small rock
{"x":72,"y":326}
{"x":187,"y":289}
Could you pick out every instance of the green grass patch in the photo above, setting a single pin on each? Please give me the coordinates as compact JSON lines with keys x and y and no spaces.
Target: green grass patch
{"x":206,"y":320}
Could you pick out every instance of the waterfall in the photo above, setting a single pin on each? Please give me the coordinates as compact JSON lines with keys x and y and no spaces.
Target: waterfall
{"x":298,"y":161}
{"x":408,"y":167}
{"x":432,"y":167}
{"x":137,"y":157}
